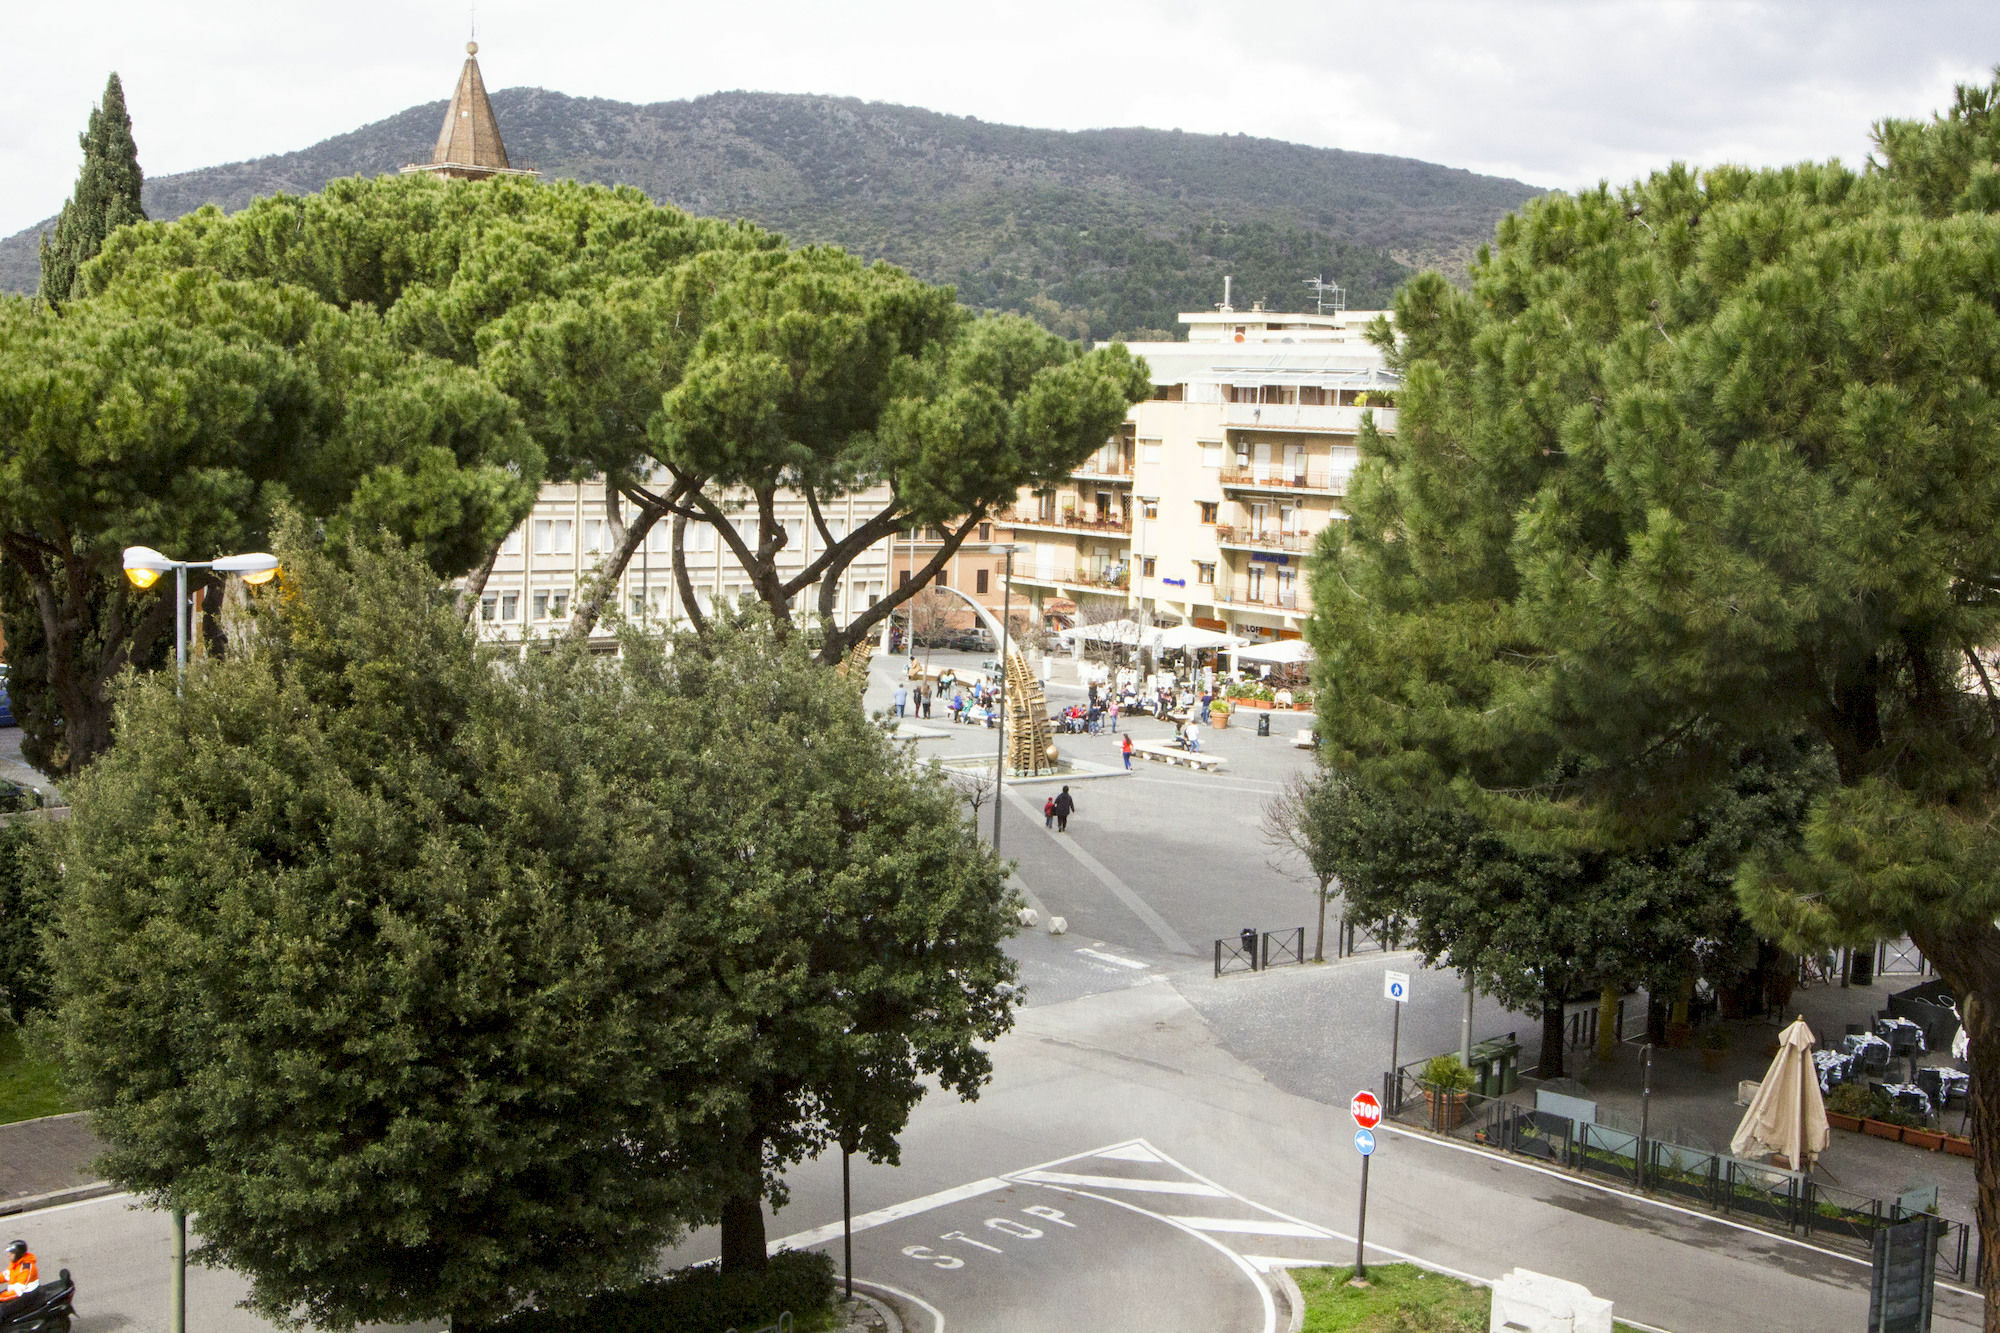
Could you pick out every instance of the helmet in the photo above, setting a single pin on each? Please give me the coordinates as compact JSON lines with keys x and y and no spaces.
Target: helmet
{"x":17,"y":1248}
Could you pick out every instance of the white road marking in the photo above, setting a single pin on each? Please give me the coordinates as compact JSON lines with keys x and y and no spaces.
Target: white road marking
{"x":1130,"y":1152}
{"x":936,"y":1314}
{"x":1138,"y":1186}
{"x":1112,"y":958}
{"x":1264,"y":1263}
{"x":1270,"y":1306}
{"x":1250,"y":1226}
{"x":895,"y":1212}
{"x":1120,"y":890}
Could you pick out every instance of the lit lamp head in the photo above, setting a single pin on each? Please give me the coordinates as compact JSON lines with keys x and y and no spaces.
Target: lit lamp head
{"x":144,"y":565}
{"x":258,"y":567}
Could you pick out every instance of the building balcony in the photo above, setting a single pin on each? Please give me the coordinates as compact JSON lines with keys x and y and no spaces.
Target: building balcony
{"x":1100,"y":578}
{"x":1312,"y":417}
{"x":1314,"y":478}
{"x":1243,"y":539}
{"x":1095,"y":468}
{"x":1069,"y":520}
{"x":1266,"y":593}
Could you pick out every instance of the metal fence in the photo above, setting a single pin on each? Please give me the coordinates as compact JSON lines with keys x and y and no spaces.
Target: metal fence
{"x":1252,"y":952}
{"x":1748,"y":1191}
{"x":1351,"y":937}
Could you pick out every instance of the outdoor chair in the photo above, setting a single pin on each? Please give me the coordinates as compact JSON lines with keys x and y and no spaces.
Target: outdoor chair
{"x":1872,"y":1059}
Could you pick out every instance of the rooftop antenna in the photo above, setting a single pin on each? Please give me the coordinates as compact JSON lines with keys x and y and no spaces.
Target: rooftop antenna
{"x":1225,"y":307}
{"x":1330,"y":295}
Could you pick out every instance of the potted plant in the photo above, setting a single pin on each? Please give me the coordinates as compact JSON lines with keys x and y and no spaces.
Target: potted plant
{"x":1447,"y":1086}
{"x":1923,"y":1136}
{"x":1956,"y":1146}
{"x":1714,"y":1049}
{"x":1218,"y":712}
{"x":1851,"y":1103}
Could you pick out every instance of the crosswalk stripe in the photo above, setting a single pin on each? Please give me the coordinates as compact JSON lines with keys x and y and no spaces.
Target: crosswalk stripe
{"x":1113,"y":958}
{"x":1251,"y":1226}
{"x":1135,"y":1184}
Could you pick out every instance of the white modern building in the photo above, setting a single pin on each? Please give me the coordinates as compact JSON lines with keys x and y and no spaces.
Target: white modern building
{"x":546,"y":563}
{"x":1205,"y":507}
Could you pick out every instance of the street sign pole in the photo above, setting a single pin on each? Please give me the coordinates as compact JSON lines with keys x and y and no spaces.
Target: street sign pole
{"x":1395,"y":1043}
{"x":1396,"y":988}
{"x":1361,"y":1225}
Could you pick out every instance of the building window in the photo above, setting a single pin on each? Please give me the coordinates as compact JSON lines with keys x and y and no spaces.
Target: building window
{"x":979,"y":580}
{"x":1146,"y":565}
{"x":902,"y":578}
{"x":941,"y":580}
{"x":541,"y":606}
{"x":558,"y":605}
{"x":1152,"y":509}
{"x":489,"y":606}
{"x":552,"y":536}
{"x":1211,"y":453}
{"x":985,"y":534}
{"x":1208,"y":508}
{"x":510,"y":606}
{"x":512,"y":546}
{"x":593,"y":536}
{"x":638,"y":605}
{"x":1204,"y":573}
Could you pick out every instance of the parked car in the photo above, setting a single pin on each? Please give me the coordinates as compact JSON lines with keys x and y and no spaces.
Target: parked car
{"x":974,"y":640}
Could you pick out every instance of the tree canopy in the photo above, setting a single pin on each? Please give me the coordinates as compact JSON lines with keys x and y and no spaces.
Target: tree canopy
{"x":434,"y":984}
{"x":1701,"y":464}
{"x":106,"y":196}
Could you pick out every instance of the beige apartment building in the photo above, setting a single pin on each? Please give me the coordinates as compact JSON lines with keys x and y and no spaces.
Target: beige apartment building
{"x":546,"y":562}
{"x":1204,"y":508}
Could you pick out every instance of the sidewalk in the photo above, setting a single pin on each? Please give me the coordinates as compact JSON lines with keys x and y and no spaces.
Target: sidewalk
{"x":47,"y":1161}
{"x":1693,"y":1107}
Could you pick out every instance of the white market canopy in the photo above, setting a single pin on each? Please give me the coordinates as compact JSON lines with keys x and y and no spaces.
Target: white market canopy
{"x":1192,"y":638}
{"x":1115,"y":631}
{"x":1285,"y":652}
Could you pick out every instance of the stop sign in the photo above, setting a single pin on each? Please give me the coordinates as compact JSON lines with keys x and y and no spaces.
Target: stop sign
{"x":1366,"y":1110}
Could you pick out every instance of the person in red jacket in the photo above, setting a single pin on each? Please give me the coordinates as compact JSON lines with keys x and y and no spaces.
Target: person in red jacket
{"x":22,"y":1275}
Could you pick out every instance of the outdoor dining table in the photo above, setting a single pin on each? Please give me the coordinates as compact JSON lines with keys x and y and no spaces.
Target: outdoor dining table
{"x":1943,"y":1085}
{"x":1833,"y":1067}
{"x":1854,"y":1043}
{"x":1910,"y":1096}
{"x":1909,"y":1030}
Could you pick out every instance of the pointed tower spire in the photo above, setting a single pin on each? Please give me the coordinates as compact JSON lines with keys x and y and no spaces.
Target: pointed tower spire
{"x":468,"y":146}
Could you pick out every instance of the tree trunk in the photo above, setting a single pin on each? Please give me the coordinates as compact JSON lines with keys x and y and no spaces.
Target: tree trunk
{"x":475,"y":584}
{"x":1969,"y":960}
{"x":602,"y":585}
{"x":1551,"y":1065}
{"x":743,"y":1234}
{"x":1319,"y":936}
{"x":1607,"y":1024}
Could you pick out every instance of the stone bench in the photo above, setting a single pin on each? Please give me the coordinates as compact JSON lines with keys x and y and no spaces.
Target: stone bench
{"x":1166,"y":754}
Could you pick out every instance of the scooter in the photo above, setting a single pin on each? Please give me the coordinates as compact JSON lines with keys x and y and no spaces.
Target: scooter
{"x":49,"y":1308}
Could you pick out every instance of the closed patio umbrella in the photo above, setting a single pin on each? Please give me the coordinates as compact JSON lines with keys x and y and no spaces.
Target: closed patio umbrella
{"x":1787,"y":1115}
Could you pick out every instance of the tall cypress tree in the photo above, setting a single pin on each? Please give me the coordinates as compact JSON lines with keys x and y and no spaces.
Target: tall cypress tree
{"x":105,"y":199}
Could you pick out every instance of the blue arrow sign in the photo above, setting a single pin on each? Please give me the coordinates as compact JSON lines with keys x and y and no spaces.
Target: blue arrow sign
{"x":1364,"y":1142}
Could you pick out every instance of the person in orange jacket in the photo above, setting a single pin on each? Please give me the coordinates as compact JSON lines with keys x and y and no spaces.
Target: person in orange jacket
{"x":22,"y":1275}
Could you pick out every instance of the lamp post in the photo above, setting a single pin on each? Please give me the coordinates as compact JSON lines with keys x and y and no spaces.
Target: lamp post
{"x":144,"y":565}
{"x":1000,"y":758}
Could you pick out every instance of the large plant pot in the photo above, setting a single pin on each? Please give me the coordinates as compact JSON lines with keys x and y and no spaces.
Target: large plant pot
{"x":1929,"y":1139}
{"x":1956,"y":1146}
{"x":1882,"y":1129}
{"x":1447,"y":1109}
{"x":1218,"y":718}
{"x":1836,"y":1120}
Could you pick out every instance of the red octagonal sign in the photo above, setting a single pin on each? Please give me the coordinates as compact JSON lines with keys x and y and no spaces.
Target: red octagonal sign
{"x":1366,"y":1109}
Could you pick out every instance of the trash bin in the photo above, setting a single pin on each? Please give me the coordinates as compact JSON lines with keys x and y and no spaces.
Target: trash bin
{"x":1248,"y":939}
{"x":1496,"y":1066}
{"x":1263,"y":724}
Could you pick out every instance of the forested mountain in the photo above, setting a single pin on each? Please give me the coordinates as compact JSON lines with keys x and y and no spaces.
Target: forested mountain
{"x":1098,"y":232}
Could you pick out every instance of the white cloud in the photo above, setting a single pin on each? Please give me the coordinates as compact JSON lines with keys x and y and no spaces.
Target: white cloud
{"x":1557,"y":92}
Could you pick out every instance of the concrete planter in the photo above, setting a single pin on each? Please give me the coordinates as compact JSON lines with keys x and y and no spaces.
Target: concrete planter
{"x":1928,"y":1139}
{"x":1836,"y":1120}
{"x":1956,"y":1146}
{"x":1882,"y":1129}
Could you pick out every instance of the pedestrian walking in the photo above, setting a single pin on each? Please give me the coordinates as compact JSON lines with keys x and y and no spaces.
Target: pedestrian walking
{"x":1049,"y":813}
{"x":927,"y":694}
{"x":1127,"y":748}
{"x":1191,"y":735}
{"x":902,"y":698}
{"x":1065,"y":806}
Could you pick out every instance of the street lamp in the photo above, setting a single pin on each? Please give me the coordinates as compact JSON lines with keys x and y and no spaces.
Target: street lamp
{"x":1000,"y":759}
{"x":144,"y":565}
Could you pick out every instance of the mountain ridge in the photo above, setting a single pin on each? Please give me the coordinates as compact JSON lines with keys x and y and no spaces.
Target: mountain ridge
{"x":1094,"y":232}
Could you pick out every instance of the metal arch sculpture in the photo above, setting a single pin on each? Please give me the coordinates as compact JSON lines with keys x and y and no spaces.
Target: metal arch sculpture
{"x":1031,"y":741}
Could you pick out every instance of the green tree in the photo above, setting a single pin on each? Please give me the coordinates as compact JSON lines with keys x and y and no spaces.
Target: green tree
{"x":1701,"y":464}
{"x":840,"y":923}
{"x":352,"y":963}
{"x":23,"y":972}
{"x":176,"y":411}
{"x":106,"y":196}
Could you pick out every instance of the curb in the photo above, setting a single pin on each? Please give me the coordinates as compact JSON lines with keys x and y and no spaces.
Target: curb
{"x":1288,"y":1288}
{"x":32,"y":1202}
{"x":891,"y":1321}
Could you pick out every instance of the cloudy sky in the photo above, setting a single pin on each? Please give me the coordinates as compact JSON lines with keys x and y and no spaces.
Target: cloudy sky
{"x":1557,"y":93}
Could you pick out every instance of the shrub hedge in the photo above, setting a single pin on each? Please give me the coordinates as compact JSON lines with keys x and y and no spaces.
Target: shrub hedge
{"x":701,"y":1300}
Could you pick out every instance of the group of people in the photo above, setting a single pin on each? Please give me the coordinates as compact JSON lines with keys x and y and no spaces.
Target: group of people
{"x":916,"y":701}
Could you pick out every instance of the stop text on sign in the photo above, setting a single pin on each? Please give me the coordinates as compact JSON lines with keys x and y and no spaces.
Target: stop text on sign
{"x":1366,"y":1110}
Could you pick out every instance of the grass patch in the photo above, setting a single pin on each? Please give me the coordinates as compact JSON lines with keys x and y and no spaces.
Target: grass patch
{"x":28,"y":1087}
{"x":1399,"y":1298}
